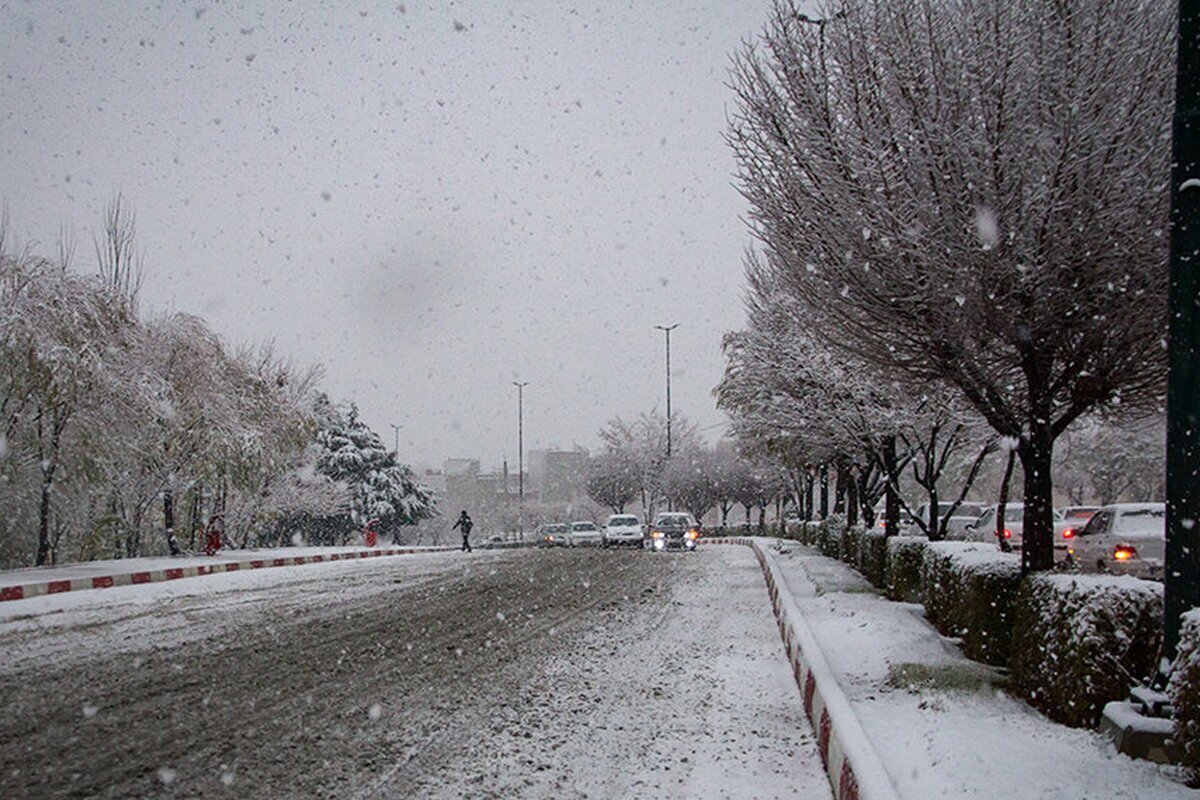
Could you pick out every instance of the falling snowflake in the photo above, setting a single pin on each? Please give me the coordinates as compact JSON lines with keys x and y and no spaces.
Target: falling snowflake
{"x":375,"y":711}
{"x":166,"y":775}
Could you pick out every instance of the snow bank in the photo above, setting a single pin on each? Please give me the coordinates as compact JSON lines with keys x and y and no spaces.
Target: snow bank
{"x":1080,"y":641}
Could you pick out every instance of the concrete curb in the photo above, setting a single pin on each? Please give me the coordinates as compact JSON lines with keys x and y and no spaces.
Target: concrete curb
{"x":39,"y":588}
{"x":854,"y":769}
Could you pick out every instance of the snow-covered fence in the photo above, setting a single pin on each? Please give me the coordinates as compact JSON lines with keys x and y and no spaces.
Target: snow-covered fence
{"x":1080,"y":641}
{"x":968,"y":590}
{"x":1185,"y":692}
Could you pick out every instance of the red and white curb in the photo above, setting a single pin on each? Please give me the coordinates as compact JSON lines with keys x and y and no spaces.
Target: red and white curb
{"x":853,"y":767}
{"x":39,"y":588}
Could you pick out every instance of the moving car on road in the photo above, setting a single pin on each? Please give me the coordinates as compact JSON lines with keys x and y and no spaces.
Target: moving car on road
{"x":1125,"y":538}
{"x":623,"y":529}
{"x":555,"y":534}
{"x":983,"y":529}
{"x":585,"y":533}
{"x":674,"y":530}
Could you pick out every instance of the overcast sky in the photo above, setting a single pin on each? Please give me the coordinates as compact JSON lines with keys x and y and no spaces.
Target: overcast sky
{"x":431,"y":200}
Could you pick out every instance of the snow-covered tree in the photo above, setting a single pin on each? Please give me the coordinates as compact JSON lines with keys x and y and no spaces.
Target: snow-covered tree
{"x":971,"y":193}
{"x":613,"y":480}
{"x":381,"y":488}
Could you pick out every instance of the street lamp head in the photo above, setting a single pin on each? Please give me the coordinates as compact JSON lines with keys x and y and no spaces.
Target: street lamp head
{"x":520,"y":384}
{"x":667,"y":327}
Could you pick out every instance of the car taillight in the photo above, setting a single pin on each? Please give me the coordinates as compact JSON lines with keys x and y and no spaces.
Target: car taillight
{"x":1006,"y":534}
{"x":1068,"y":533}
{"x":1124,"y":552}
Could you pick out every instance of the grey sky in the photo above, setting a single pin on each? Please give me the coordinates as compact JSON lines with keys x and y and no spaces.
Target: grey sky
{"x":432,"y":200}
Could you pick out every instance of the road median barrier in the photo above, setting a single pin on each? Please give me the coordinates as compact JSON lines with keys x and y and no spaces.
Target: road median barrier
{"x":39,"y":588}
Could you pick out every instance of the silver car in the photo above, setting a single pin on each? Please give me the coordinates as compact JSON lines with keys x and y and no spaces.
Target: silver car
{"x":1126,"y":539}
{"x":585,"y":533}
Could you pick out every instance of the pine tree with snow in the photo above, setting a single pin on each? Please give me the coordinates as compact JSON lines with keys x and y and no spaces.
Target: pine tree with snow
{"x":383,"y":489}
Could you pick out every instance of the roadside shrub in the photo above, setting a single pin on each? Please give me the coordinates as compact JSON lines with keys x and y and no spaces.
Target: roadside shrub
{"x":830,"y":535}
{"x":809,"y":531}
{"x":872,"y":556}
{"x":968,"y":589}
{"x":1185,"y":693}
{"x":851,"y":545}
{"x":903,"y":567}
{"x":1080,"y":641}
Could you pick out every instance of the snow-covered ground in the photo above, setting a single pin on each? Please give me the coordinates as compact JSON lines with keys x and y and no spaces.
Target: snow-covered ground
{"x":941,"y":724}
{"x":565,"y":673}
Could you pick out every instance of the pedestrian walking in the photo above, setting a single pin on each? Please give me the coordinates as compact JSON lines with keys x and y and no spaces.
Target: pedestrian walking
{"x":465,"y":524}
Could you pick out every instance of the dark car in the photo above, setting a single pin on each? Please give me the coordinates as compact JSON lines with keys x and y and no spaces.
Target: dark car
{"x":674,"y":530}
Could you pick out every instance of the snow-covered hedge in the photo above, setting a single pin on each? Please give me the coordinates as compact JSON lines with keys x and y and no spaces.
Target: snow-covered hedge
{"x":872,"y":556}
{"x":829,"y":535}
{"x":809,"y":532}
{"x":1185,"y":692}
{"x":968,"y":589}
{"x":1080,"y":641}
{"x":905,"y":555}
{"x":851,"y":545}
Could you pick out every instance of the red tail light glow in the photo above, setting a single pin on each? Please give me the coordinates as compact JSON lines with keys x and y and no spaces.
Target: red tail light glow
{"x":1006,"y":534}
{"x":1124,"y":552}
{"x":1068,"y":533}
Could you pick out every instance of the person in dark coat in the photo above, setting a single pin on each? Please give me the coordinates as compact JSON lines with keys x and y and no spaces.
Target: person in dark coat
{"x":465,"y":523}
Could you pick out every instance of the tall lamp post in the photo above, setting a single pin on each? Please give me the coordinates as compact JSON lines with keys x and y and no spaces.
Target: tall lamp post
{"x":396,"y":429}
{"x":520,"y":456}
{"x":667,"y":330}
{"x":1181,"y":579}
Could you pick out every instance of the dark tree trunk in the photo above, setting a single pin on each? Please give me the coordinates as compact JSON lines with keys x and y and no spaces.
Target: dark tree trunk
{"x":169,"y":520}
{"x":851,"y":497}
{"x":1003,"y":501}
{"x":1036,"y":454}
{"x":824,"y":491}
{"x":935,"y":519}
{"x":839,"y":497}
{"x":891,"y":514}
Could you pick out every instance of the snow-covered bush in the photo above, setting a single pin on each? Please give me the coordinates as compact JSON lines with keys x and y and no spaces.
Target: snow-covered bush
{"x":872,"y":557}
{"x":829,"y":535}
{"x":808,"y":532}
{"x":968,"y":589}
{"x":903,"y":570}
{"x":851,"y":545}
{"x":1185,"y":692}
{"x":1082,"y":641}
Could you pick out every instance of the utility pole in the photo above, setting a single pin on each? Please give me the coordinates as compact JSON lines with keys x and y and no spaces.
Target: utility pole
{"x":396,"y":430}
{"x":1181,"y":584}
{"x":520,"y":456}
{"x":667,"y":330}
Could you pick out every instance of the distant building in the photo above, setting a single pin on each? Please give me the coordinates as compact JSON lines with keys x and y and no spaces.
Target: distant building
{"x":557,"y":475}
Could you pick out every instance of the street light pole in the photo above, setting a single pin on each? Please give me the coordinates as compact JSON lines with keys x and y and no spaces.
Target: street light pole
{"x":1181,"y":579}
{"x":667,"y":330}
{"x":520,"y":456}
{"x":396,"y":429}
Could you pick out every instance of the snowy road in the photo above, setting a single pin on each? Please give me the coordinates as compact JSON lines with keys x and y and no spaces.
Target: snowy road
{"x":509,"y":673}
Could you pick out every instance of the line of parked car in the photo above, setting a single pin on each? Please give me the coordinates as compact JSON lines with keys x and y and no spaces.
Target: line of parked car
{"x":1122,"y":538}
{"x":671,"y":530}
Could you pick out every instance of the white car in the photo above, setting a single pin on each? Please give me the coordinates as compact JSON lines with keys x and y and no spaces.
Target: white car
{"x":1125,"y":538}
{"x":956,"y":526}
{"x":623,"y":529}
{"x":584,"y":533}
{"x":983,"y":529}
